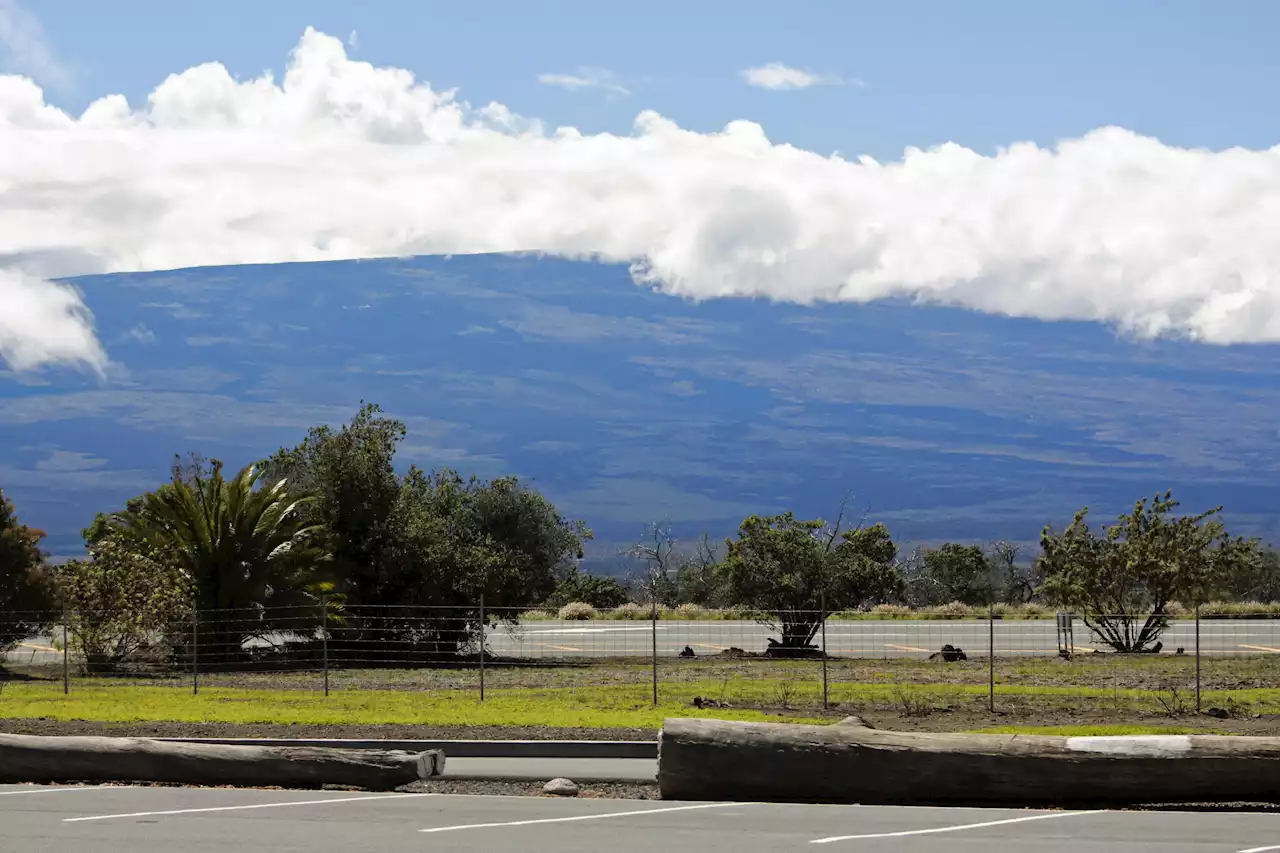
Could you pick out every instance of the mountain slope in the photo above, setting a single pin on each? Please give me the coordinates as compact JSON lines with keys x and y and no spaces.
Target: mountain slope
{"x":626,"y":406}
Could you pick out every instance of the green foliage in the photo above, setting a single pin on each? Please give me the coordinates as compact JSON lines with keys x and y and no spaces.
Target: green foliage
{"x":601,"y":592}
{"x":802,"y":571}
{"x":1122,"y":581}
{"x":26,"y":593}
{"x":955,"y":572}
{"x":352,"y":476}
{"x":127,"y":603}
{"x":241,"y":547}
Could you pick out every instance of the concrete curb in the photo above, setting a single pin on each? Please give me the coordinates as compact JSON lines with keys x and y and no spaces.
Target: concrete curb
{"x":462,"y":748}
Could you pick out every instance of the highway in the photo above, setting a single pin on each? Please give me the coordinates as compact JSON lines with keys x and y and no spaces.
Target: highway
{"x":861,"y":639}
{"x":118,"y":818}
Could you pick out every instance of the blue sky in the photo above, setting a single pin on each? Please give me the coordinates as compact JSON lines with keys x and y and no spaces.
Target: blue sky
{"x":983,"y":74}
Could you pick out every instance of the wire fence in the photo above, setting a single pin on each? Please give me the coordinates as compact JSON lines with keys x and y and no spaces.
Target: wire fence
{"x":793,"y":661}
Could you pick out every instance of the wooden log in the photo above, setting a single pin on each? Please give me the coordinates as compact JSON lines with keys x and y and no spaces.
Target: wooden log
{"x":28,"y":758}
{"x":700,"y":759}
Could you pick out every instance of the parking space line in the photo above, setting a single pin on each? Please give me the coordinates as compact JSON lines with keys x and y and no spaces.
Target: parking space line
{"x":40,"y":789}
{"x":583,"y":817}
{"x":957,"y":828}
{"x":247,"y":807}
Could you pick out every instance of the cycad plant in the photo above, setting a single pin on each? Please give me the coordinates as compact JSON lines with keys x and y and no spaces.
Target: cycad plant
{"x":243,"y":547}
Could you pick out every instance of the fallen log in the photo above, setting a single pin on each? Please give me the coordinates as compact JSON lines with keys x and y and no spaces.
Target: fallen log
{"x":700,"y":759}
{"x":28,"y":758}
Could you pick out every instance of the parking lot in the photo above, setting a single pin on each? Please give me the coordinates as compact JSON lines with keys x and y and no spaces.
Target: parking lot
{"x":112,"y":819}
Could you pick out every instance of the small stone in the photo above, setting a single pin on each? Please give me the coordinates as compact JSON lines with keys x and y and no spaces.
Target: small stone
{"x":561,"y":788}
{"x":1220,"y":713}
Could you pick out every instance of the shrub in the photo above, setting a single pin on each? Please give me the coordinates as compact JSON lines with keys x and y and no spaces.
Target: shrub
{"x":630,"y":611}
{"x":577,"y":610}
{"x":952,"y":610}
{"x":1175,"y":609}
{"x":893,"y":611}
{"x":1032,"y":610}
{"x":690,"y":611}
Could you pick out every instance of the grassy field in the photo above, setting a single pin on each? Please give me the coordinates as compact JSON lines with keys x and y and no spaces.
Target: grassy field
{"x":1107,"y":689}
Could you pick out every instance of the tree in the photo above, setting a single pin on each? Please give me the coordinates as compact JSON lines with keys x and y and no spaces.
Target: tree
{"x":125,"y":603}
{"x":243,"y":548}
{"x":600,"y":591}
{"x":26,"y":599}
{"x":698,"y":579}
{"x":803,"y":571}
{"x":351,"y":473}
{"x":657,"y":581}
{"x":1014,"y":583}
{"x":1258,"y":581}
{"x":455,"y":540}
{"x":954,"y":572}
{"x":1121,"y":582}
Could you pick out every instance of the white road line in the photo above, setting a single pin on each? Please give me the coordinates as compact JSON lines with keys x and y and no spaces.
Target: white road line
{"x":1261,"y":849}
{"x":44,"y":790}
{"x":244,"y":808}
{"x":938,"y":829}
{"x":583,"y":817}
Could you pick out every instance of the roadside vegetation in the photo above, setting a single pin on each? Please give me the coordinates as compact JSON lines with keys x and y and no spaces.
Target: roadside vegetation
{"x":404,"y":569}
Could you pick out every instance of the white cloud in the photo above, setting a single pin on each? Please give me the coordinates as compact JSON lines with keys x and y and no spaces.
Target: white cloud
{"x":777,"y":77}
{"x":343,"y":160}
{"x":25,"y":49}
{"x":585,"y":78}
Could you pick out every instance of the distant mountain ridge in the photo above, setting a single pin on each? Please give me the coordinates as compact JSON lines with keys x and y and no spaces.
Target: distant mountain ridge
{"x":627,"y":406}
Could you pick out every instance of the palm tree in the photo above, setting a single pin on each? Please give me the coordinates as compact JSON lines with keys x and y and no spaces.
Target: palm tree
{"x":242,"y":547}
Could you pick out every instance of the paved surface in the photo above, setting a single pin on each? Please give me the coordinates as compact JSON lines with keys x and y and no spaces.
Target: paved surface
{"x":142,"y":820}
{"x":578,"y":769}
{"x":879,"y":639}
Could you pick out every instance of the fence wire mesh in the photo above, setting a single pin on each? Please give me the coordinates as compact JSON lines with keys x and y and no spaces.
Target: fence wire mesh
{"x":853,"y":662}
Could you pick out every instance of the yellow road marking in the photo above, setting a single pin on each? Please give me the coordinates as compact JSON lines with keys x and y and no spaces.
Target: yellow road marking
{"x":563,"y":648}
{"x":1257,"y":648}
{"x":38,"y":648}
{"x":708,"y":646}
{"x":904,"y":648}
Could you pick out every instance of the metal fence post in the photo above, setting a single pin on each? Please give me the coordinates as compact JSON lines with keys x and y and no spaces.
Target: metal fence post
{"x":195,"y":650}
{"x":482,"y":632}
{"x":1197,"y":658}
{"x":66,"y":660}
{"x":654,"y":634}
{"x":826,"y":697}
{"x":324,"y":638}
{"x":991,"y":658}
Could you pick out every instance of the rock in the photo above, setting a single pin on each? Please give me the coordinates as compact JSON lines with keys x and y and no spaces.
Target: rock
{"x":950,"y":654}
{"x":561,"y":788}
{"x":1219,"y":713}
{"x":687,"y":652}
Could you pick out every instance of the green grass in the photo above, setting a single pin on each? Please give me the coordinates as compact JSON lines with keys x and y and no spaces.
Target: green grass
{"x":601,"y":707}
{"x":1093,"y":731}
{"x":618,"y":705}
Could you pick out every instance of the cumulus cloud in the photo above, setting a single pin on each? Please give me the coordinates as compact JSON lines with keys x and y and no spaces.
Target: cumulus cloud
{"x":339,"y":159}
{"x":585,"y":78}
{"x":777,"y":77}
{"x":25,"y":49}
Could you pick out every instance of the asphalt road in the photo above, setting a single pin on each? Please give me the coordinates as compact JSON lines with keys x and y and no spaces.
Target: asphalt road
{"x":143,"y":820}
{"x":873,"y":639}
